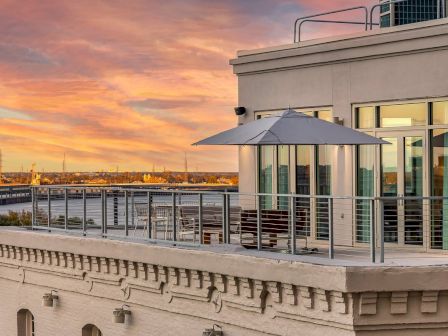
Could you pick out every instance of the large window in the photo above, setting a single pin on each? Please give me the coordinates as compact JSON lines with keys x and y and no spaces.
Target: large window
{"x":25,"y":323}
{"x":417,"y":153}
{"x":326,"y":115}
{"x":440,"y":189}
{"x":440,"y":113}
{"x":303,"y":187}
{"x":403,"y":115}
{"x":365,"y":117}
{"x":365,"y":188}
{"x":323,"y":187}
{"x":283,"y":175}
{"x":303,"y":169}
{"x":266,"y":165}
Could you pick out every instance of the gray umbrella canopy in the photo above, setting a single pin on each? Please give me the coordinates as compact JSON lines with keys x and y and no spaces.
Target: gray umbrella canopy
{"x":291,"y":128}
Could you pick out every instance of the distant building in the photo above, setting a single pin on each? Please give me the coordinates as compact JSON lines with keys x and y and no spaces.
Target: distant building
{"x":411,"y":11}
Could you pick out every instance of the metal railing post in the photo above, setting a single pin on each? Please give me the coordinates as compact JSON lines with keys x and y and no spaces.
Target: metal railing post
{"x":228,"y":219}
{"x":102,"y":212}
{"x":330,"y":229}
{"x":223,"y":222}
{"x":292,"y":206}
{"x":115,"y":207}
{"x":33,"y":208}
{"x":174,"y":217}
{"x":372,"y":232}
{"x":126,"y":213}
{"x":201,"y":219}
{"x":259,"y":223}
{"x":381,"y":206}
{"x":225,"y":218}
{"x":66,"y":209}
{"x":84,"y":211}
{"x":132,"y":210}
{"x":49,"y":207}
{"x":149,"y":210}
{"x":105,"y":212}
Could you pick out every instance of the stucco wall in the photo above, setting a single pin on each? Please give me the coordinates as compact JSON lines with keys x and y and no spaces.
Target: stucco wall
{"x":394,"y":64}
{"x":174,"y":291}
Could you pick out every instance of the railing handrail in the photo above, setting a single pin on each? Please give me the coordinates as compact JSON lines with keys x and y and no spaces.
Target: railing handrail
{"x":297,"y":31}
{"x":261,"y":218}
{"x":368,"y":23}
{"x":255,"y":194}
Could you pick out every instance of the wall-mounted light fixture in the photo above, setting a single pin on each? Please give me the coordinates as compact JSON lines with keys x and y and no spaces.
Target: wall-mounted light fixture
{"x":49,"y":298}
{"x":338,"y":120}
{"x":120,"y":313}
{"x":240,"y":110}
{"x":213,"y":331}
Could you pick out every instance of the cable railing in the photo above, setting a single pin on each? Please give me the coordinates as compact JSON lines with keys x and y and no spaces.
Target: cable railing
{"x":321,"y":226}
{"x":404,"y":11}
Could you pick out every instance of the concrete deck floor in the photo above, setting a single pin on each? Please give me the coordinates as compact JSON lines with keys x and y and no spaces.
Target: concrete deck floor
{"x":344,"y":256}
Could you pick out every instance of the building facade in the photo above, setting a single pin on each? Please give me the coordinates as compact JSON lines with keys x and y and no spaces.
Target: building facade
{"x":180,"y":291}
{"x":391,"y":83}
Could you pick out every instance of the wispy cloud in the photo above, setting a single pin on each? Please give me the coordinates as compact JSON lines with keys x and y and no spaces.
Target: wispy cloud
{"x":128,"y":83}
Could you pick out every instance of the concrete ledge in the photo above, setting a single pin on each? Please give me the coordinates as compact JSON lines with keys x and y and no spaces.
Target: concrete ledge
{"x":407,"y":39}
{"x":248,"y":295}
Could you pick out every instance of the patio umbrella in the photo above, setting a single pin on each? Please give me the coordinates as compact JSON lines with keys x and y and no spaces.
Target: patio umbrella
{"x":291,"y":128}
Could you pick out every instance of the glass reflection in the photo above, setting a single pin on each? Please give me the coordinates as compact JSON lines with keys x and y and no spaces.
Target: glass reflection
{"x":413,"y":186}
{"x":365,"y":117}
{"x":440,"y":113}
{"x":283,"y":175}
{"x":403,"y":115}
{"x":303,"y":169}
{"x":326,"y":115}
{"x":389,"y":187}
{"x":364,"y":187}
{"x":439,"y":229}
{"x":266,"y":162}
{"x":303,"y":187}
{"x":324,"y":154}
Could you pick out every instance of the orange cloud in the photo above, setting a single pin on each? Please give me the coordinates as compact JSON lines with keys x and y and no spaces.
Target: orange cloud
{"x":128,"y":83}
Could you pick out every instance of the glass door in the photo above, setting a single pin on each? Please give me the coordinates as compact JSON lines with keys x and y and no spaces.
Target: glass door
{"x":402,"y":175}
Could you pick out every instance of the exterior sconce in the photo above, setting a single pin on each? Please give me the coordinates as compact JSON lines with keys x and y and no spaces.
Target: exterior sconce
{"x":120,"y":313}
{"x":48,"y":299}
{"x":240,"y":110}
{"x":338,"y":121}
{"x":213,"y":331}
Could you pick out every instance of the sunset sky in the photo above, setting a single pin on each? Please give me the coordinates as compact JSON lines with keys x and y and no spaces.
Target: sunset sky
{"x":129,"y":83}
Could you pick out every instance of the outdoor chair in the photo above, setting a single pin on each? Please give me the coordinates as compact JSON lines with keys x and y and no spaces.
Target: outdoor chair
{"x":159,"y":220}
{"x":188,"y":222}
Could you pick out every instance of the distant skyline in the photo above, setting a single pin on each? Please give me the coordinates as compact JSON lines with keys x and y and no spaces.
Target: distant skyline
{"x":130,"y":83}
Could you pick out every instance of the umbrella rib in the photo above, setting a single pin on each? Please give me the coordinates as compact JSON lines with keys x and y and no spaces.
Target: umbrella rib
{"x":281,"y":142}
{"x":254,"y":137}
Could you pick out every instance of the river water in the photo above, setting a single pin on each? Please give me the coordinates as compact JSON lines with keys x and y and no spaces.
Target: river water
{"x":115,"y":209}
{"x":18,"y":207}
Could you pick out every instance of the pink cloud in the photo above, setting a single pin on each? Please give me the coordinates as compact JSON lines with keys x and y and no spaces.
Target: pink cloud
{"x":129,"y":83}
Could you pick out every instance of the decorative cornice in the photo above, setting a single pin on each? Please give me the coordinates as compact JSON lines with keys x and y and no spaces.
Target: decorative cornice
{"x":220,"y":292}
